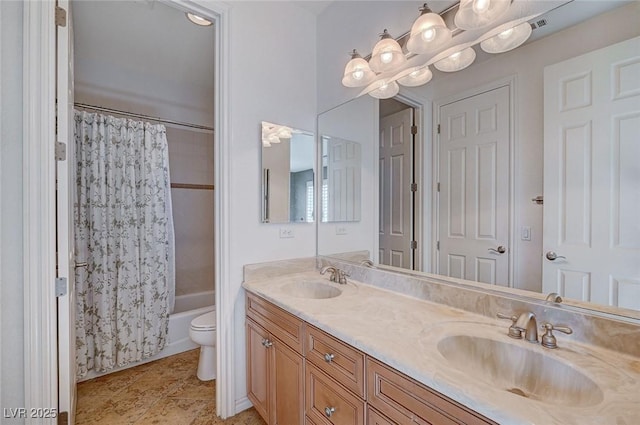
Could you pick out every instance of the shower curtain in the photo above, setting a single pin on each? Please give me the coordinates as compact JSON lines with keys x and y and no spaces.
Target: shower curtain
{"x":124,"y":232}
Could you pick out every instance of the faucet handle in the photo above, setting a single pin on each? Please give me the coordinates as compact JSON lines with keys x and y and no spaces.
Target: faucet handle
{"x":513,"y":331}
{"x":548,"y":339}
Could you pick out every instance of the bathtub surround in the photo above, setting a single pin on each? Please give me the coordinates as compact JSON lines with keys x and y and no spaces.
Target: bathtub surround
{"x":400,"y":320}
{"x":124,"y":234}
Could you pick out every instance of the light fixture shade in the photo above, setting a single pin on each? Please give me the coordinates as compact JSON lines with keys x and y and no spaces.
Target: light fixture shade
{"x":357,"y":73}
{"x":387,"y":54}
{"x":198,"y":20}
{"x":457,"y":61}
{"x":474,"y":14}
{"x":415,"y":76}
{"x":428,"y":33}
{"x":508,"y":39}
{"x":385,"y":89}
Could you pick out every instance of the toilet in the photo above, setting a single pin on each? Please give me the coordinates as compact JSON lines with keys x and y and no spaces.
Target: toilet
{"x":203,"y":333}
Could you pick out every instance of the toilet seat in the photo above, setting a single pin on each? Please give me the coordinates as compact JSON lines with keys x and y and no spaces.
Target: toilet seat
{"x":205,"y":322}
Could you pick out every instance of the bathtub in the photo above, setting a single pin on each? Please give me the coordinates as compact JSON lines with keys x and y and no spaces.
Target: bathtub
{"x":187,"y":308}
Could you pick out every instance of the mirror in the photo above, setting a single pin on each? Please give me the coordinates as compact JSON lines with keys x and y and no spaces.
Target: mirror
{"x":525,"y":243}
{"x":341,"y":180}
{"x":287,"y":174}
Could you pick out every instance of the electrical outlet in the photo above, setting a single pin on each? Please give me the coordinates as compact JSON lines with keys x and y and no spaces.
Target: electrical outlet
{"x":286,"y":233}
{"x":341,"y":230}
{"x":525,"y":233}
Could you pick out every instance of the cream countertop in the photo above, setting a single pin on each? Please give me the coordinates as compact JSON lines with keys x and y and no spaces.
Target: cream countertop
{"x":403,"y":332}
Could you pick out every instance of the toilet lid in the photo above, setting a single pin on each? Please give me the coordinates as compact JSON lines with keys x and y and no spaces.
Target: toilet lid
{"x":206,"y":321}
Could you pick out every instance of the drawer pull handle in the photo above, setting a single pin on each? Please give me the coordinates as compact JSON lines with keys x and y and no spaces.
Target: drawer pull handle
{"x":328,"y":411}
{"x":266,"y":343}
{"x":329,"y":357}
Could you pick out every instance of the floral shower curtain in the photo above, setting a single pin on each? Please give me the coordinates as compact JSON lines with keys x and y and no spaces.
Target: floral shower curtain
{"x":124,"y":231}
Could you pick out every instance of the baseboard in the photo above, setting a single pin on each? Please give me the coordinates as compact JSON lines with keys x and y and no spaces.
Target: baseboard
{"x":243,"y":404}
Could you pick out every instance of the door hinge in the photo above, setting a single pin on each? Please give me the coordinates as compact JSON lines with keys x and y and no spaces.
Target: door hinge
{"x":61,"y":286}
{"x":538,"y":200}
{"x":414,"y":244}
{"x":414,"y":129}
{"x":438,"y":187}
{"x":61,"y":17}
{"x":61,"y":151}
{"x":414,"y":187}
{"x":438,"y":128}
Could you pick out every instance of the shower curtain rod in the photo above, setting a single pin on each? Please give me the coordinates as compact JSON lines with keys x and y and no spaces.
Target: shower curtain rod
{"x":143,"y":117}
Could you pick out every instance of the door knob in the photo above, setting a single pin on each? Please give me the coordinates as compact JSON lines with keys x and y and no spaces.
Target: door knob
{"x":329,"y":357}
{"x":329,"y":411}
{"x":500,"y":250}
{"x":552,"y":256}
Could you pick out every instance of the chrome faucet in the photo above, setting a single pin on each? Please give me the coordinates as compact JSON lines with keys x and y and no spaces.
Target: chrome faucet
{"x":526,"y":323}
{"x":366,"y":263}
{"x":337,"y":275}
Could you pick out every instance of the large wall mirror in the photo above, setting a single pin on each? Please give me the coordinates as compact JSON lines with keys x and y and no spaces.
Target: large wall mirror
{"x":570,"y":197}
{"x":288,"y":157}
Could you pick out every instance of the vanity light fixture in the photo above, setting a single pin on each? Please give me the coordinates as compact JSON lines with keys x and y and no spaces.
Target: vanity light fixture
{"x":474,"y":14}
{"x":357,"y":73}
{"x":457,"y":61}
{"x":428,"y":32}
{"x":198,"y":20}
{"x":387,"y":54}
{"x":508,"y":39}
{"x":415,"y":76}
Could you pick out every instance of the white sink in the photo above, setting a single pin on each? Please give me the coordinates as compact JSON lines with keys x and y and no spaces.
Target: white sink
{"x":313,"y":289}
{"x":520,"y":370}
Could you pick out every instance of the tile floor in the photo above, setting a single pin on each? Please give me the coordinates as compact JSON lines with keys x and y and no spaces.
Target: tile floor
{"x":166,"y":391}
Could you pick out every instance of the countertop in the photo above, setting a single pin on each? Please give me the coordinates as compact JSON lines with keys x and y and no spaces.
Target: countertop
{"x":404,"y":332}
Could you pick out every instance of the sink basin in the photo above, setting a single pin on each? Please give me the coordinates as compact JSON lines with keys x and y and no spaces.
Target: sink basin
{"x":519,"y":370}
{"x":312,"y":289}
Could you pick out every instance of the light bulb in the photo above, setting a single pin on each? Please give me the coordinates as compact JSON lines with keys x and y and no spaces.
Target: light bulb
{"x":357,"y":74}
{"x":383,"y":87}
{"x":506,"y":34}
{"x":428,"y":34}
{"x":455,"y":56}
{"x":386,"y":57}
{"x":415,"y":73}
{"x":481,"y":6}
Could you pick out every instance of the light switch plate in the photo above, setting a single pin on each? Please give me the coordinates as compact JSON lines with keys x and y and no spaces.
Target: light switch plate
{"x":286,"y":233}
{"x":341,"y":230}
{"x":525,"y":233}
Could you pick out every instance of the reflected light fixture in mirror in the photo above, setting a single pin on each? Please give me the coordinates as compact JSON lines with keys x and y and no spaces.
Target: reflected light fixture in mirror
{"x":428,"y":32}
{"x":474,"y":14}
{"x":387,"y":54}
{"x":357,"y":73}
{"x":415,"y":76}
{"x":385,"y":89}
{"x":508,"y":39}
{"x":274,"y":133}
{"x":457,"y":61}
{"x":198,"y":20}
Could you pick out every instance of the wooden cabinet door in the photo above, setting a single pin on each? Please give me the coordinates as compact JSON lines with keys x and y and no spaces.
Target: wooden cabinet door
{"x":376,"y":418}
{"x":258,"y":387}
{"x":287,"y":385}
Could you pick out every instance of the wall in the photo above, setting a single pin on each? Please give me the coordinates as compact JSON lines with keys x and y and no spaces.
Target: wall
{"x":11,"y":254}
{"x":119,"y":65}
{"x":526,"y":63}
{"x":273,"y":56}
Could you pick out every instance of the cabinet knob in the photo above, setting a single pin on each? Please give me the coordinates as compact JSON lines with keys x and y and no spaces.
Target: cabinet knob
{"x":266,"y":343}
{"x":329,"y":357}
{"x":328,"y":411}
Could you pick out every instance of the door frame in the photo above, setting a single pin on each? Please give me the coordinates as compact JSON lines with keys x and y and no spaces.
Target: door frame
{"x":511,"y":83}
{"x":39,"y":202}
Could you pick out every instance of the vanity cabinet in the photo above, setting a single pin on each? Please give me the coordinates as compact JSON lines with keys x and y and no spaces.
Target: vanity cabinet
{"x":298,"y":374}
{"x":275,"y":368}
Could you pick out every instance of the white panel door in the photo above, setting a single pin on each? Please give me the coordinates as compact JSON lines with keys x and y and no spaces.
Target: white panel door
{"x":592,"y":176}
{"x":65,"y":176}
{"x":473,"y":204}
{"x":396,"y":200}
{"x":343,"y":179}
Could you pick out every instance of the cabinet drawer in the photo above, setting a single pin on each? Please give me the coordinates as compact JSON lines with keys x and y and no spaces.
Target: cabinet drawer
{"x":403,"y":400}
{"x":327,"y":402}
{"x":376,"y":418}
{"x":284,"y":326}
{"x":342,"y":362}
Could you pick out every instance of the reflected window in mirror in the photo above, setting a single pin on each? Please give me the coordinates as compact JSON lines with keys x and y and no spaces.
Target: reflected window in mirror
{"x":288,"y":157}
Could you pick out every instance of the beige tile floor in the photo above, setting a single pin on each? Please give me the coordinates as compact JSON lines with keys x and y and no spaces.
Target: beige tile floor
{"x":166,"y":391}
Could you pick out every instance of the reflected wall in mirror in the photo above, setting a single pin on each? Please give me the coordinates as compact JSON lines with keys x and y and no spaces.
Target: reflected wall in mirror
{"x":341,"y":180}
{"x":288,"y":157}
{"x":527,"y":245}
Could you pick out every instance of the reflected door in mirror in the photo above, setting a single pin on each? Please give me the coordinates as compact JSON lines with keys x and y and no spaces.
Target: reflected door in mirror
{"x":341,"y":178}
